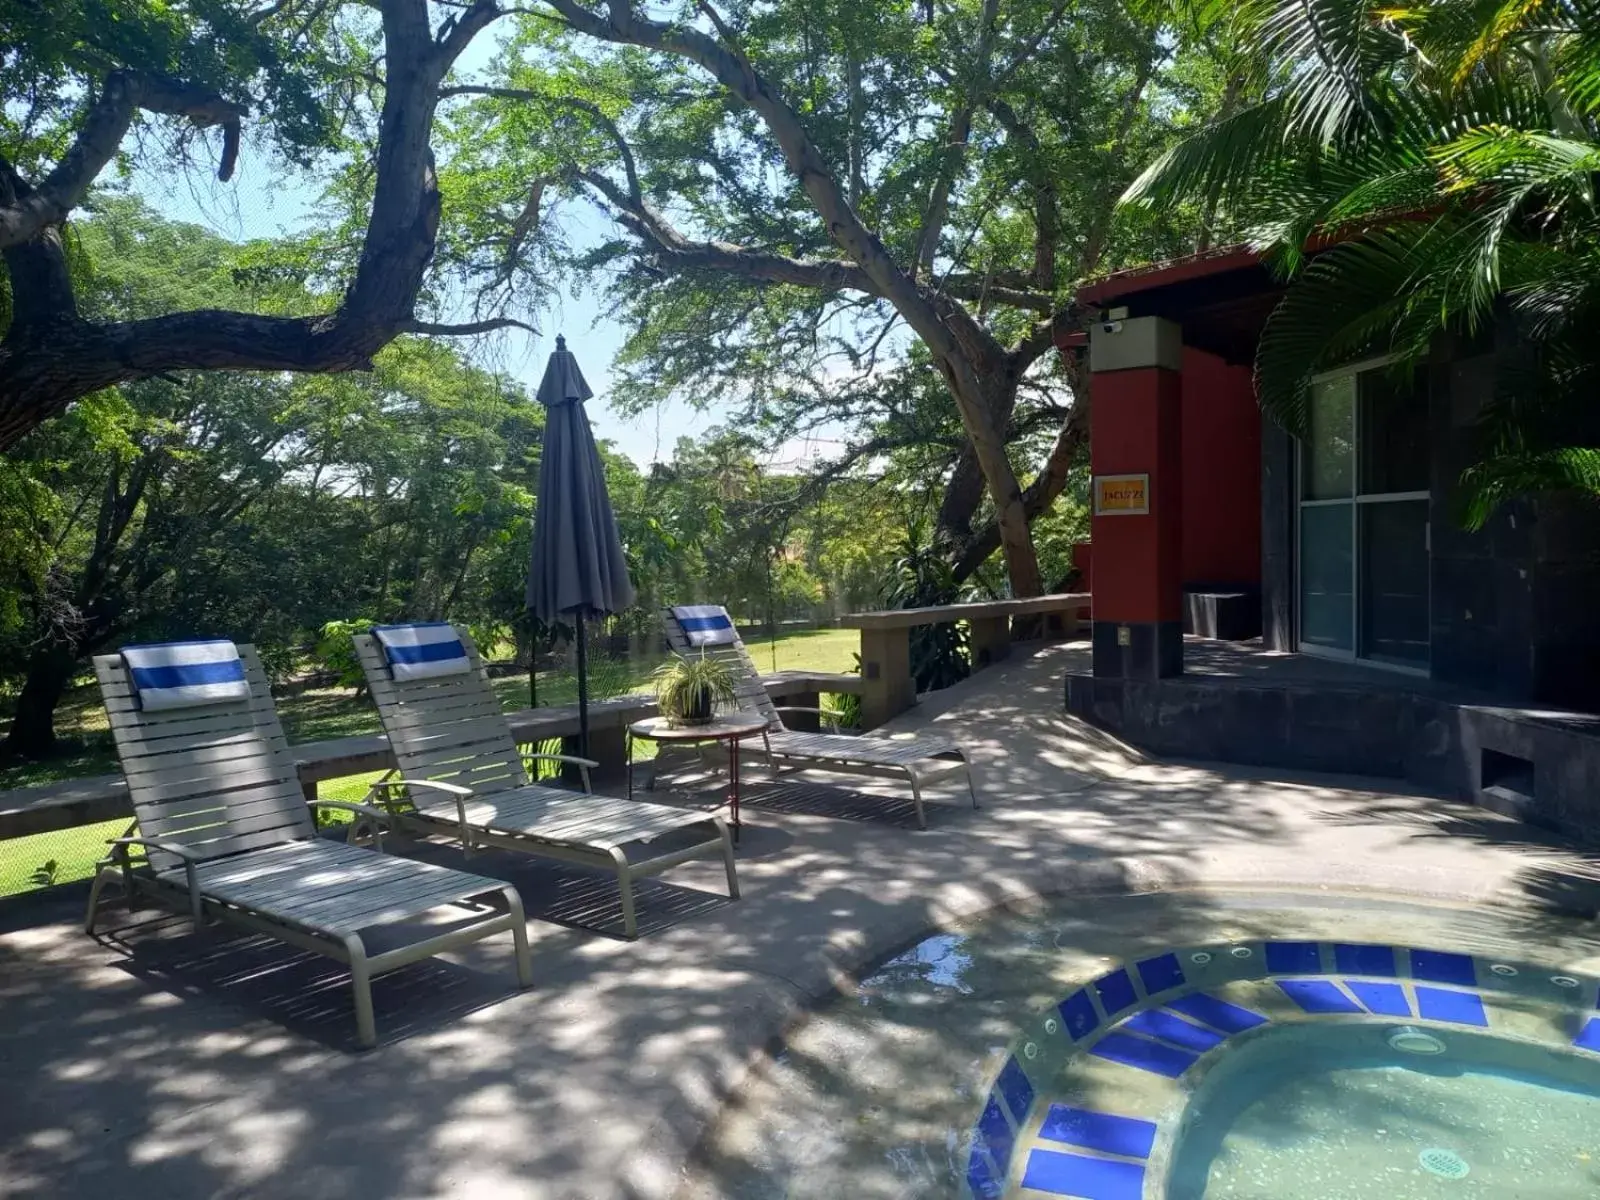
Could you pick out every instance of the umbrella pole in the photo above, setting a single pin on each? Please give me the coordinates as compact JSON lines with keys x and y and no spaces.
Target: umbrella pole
{"x":533,"y":664}
{"x":583,"y":691}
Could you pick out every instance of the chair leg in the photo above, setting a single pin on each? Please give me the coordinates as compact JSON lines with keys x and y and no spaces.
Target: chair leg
{"x":630,"y":920}
{"x":727,"y":858}
{"x":519,"y":938}
{"x":361,"y":987}
{"x":100,"y":875}
{"x":972,"y":787}
{"x":916,"y":797}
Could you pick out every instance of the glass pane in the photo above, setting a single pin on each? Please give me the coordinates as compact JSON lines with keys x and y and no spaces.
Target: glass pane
{"x":1327,"y":609}
{"x":1328,"y":454}
{"x":1394,"y":433}
{"x":1394,"y":582}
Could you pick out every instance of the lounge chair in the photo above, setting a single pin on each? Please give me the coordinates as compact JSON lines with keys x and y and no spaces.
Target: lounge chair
{"x":226,"y":832}
{"x":921,"y":760}
{"x":462,"y":773}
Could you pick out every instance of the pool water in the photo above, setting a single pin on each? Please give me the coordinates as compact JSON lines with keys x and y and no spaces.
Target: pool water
{"x":1190,"y":1047}
{"x":1331,"y":1112}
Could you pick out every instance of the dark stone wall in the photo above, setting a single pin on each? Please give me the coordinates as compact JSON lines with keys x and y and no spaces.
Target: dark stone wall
{"x":1277,"y":536}
{"x":1515,"y":606}
{"x":1541,"y":767}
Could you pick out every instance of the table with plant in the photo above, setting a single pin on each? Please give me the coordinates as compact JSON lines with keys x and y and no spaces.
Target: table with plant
{"x":690,"y":689}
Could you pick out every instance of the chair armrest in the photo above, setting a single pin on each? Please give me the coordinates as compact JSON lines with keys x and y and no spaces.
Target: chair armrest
{"x":182,"y":852}
{"x":190,"y":861}
{"x":382,"y":820}
{"x":438,"y":785}
{"x":567,"y":758}
{"x":365,"y":810}
{"x":584,"y":765}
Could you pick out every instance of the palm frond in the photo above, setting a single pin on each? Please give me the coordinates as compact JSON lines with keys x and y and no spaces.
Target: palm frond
{"x":1358,"y":298}
{"x":1503,"y":477}
{"x":1221,"y":164}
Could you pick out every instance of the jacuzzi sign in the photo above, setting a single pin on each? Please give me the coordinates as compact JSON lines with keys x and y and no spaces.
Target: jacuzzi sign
{"x":1121,"y":495}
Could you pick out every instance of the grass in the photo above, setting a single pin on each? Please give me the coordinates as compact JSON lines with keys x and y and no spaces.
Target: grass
{"x":319,"y":715}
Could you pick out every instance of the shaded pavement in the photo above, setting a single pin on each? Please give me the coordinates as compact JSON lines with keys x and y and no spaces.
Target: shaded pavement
{"x":154,"y":1061}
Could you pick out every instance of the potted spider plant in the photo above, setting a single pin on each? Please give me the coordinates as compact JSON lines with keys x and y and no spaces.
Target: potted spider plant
{"x":688,"y":689}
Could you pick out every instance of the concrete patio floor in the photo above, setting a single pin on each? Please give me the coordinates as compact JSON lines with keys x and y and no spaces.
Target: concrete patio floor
{"x":154,"y":1061}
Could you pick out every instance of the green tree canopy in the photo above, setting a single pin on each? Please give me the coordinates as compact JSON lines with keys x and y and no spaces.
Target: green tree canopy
{"x":1419,"y":172}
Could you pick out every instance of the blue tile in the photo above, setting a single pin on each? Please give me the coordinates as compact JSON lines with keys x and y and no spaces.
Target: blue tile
{"x":1293,"y":958}
{"x":1438,"y":967}
{"x":1364,"y":960}
{"x":1218,"y":1014}
{"x":1157,"y":1024}
{"x":1589,"y":1036}
{"x":1464,"y":1008}
{"x":1014,"y":1086}
{"x":1078,"y":1015}
{"x":995,"y":1133}
{"x":1116,"y":992}
{"x":981,"y":1178}
{"x":1111,"y":1134}
{"x":1161,"y":974}
{"x":1143,"y":1053}
{"x":1318,"y":996}
{"x":1087,"y":1178}
{"x":1386,"y":999}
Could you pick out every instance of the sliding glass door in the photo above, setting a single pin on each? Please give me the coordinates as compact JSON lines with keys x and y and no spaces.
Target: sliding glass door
{"x":1363,"y":535}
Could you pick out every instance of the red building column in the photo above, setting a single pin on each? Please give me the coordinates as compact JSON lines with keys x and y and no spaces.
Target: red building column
{"x":1135,"y":432}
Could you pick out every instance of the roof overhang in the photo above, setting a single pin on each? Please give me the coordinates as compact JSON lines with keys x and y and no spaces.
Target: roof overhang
{"x":1221,"y":298}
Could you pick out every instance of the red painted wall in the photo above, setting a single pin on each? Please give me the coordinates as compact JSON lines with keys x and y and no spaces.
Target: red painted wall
{"x":1135,"y":429}
{"x":1221,"y":473}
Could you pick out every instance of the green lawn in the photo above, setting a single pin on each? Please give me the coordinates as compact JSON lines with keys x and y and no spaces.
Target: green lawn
{"x":315,"y":716}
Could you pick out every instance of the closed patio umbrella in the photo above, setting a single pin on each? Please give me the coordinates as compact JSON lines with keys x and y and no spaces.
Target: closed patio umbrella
{"x":577,"y":568}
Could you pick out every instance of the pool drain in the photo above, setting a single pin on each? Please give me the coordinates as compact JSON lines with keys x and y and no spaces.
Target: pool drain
{"x":1410,"y":1040}
{"x":1446,"y":1164}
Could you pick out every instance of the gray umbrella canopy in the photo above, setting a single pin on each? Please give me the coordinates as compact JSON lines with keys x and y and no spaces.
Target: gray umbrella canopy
{"x":578,"y":568}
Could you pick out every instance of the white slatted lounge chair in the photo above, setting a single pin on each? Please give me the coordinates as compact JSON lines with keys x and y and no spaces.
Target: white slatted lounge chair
{"x":921,"y":760}
{"x":464,"y":776}
{"x":227,"y":834}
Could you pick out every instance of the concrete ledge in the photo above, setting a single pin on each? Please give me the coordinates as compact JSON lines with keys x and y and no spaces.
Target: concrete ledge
{"x":905,"y":618}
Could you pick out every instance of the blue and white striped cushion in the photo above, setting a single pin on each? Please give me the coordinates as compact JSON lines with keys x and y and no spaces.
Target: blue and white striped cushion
{"x":186,"y":674}
{"x":423,"y":650}
{"x":706,"y":624}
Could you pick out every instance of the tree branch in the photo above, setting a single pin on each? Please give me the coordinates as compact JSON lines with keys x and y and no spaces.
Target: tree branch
{"x":104,"y":127}
{"x":466,"y":329}
{"x":955,"y":147}
{"x":630,"y":167}
{"x":805,"y":161}
{"x":45,"y":365}
{"x":1039,"y":495}
{"x":456,"y":34}
{"x":687,"y":254}
{"x":1046,"y":198}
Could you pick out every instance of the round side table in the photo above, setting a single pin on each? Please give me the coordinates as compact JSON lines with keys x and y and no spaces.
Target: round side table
{"x":732,"y":728}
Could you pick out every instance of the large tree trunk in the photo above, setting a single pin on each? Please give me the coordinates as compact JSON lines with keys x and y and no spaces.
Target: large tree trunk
{"x":987,"y":434}
{"x":33,"y":729}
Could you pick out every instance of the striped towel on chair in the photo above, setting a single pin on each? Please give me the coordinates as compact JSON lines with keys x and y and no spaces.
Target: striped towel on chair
{"x":186,"y":674}
{"x":706,"y":624}
{"x":423,"y":650}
